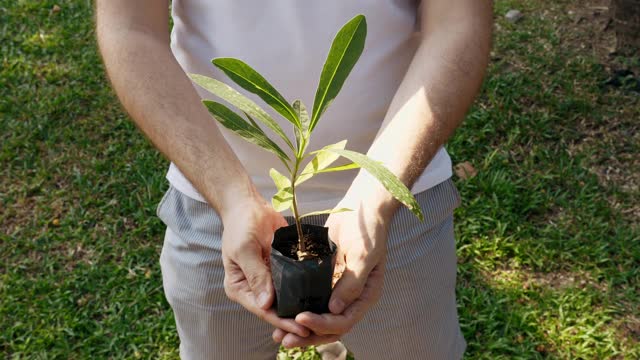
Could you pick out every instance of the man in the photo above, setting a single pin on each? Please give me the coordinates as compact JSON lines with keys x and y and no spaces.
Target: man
{"x":422,"y":65}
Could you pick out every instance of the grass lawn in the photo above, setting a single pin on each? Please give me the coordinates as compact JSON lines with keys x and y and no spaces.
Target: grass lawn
{"x":548,"y":237}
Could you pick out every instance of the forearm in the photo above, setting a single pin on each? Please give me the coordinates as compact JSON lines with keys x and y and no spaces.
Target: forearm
{"x":432,"y":100}
{"x":164,"y":105}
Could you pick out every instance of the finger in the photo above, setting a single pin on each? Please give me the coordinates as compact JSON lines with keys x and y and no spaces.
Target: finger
{"x":292,"y":340}
{"x":270,"y":316}
{"x":330,"y":324}
{"x":258,"y":277}
{"x":278,"y":335}
{"x":349,"y":287}
{"x":279,"y":221}
{"x":285,"y":325}
{"x":340,"y":324}
{"x":325,"y":324}
{"x":238,"y":290}
{"x":338,"y":269}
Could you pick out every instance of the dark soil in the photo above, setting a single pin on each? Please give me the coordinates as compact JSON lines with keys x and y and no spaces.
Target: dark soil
{"x":316,"y":241}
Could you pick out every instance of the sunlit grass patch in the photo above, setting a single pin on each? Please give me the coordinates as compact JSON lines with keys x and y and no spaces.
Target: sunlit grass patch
{"x":548,"y":242}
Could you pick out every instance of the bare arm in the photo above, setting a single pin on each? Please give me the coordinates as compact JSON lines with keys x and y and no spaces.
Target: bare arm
{"x":437,"y":91}
{"x":432,"y":100}
{"x":134,"y":42}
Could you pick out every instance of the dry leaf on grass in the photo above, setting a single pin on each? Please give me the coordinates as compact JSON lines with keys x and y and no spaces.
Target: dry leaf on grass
{"x":465,"y":170}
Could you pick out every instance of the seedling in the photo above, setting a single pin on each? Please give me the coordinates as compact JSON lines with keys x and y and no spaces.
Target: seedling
{"x":302,"y":259}
{"x":343,"y":55}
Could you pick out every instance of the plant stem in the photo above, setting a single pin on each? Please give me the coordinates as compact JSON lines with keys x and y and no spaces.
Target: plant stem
{"x":296,"y":216}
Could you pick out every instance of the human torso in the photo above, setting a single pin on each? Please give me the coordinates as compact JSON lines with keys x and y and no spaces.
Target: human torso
{"x":287,"y":41}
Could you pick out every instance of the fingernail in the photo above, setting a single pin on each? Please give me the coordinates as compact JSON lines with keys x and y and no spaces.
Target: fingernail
{"x":263,"y":299}
{"x":337,"y":306}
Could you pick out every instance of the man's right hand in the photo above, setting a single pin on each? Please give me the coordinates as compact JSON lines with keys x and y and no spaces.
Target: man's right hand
{"x":246,"y":246}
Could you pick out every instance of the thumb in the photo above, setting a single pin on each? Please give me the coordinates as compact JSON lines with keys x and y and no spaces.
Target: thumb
{"x":278,"y":221}
{"x":349,"y":287}
{"x":258,"y":277}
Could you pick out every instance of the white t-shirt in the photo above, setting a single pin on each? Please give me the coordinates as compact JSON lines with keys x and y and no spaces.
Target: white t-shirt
{"x":287,"y":41}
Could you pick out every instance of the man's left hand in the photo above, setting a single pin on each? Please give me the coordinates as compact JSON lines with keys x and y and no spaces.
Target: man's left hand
{"x":362,"y":250}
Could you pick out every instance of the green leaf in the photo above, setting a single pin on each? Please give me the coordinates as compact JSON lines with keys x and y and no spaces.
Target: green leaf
{"x":302,"y":133}
{"x":303,"y":115}
{"x":255,"y":125}
{"x":337,"y":168}
{"x":282,"y":200}
{"x":240,"y":101}
{"x":330,"y":211}
{"x":280,"y":180}
{"x":250,"y":80}
{"x":238,"y":125}
{"x":343,"y":55}
{"x":321,"y":161}
{"x":386,"y":177}
{"x":299,"y":141}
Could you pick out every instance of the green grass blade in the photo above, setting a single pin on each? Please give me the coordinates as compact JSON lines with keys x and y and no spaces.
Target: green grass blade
{"x":343,"y":55}
{"x":240,"y":101}
{"x":250,"y":80}
{"x":386,"y":177}
{"x":238,"y":125}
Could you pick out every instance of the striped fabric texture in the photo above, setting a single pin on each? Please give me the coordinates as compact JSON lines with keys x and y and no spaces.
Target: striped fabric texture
{"x":416,"y":318}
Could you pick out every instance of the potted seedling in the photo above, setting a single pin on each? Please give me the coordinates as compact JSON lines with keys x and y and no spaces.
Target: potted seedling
{"x":302,"y":255}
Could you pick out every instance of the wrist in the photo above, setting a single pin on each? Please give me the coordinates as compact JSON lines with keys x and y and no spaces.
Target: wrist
{"x":369,"y":197}
{"x":238,"y":199}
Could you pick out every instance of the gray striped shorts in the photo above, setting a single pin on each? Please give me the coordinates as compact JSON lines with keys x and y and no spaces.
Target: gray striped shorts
{"x":416,"y":318}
